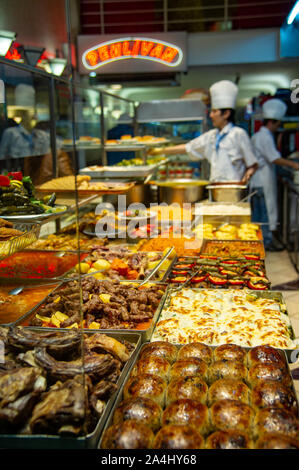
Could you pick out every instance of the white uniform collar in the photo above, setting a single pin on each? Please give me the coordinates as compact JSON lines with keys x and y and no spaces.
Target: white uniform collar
{"x":226,"y":128}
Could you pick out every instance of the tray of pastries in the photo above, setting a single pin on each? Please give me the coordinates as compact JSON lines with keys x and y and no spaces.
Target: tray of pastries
{"x":199,"y":397}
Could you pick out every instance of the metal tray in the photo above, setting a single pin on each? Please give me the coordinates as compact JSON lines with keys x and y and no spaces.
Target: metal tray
{"x":248,"y":243}
{"x":148,"y":277}
{"x":31,"y":287}
{"x":30,"y":234}
{"x":37,"y":217}
{"x":144,"y":334}
{"x":40,"y":280}
{"x":131,"y":171}
{"x":197,"y":265}
{"x":119,"y":396}
{"x":217,"y":224}
{"x":267,"y":294}
{"x":37,"y":441}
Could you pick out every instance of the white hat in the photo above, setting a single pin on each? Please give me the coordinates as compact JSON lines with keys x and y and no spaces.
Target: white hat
{"x":274,"y":109}
{"x":223,"y":95}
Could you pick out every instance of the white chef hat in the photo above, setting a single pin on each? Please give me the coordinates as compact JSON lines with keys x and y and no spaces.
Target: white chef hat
{"x":274,"y":109}
{"x":223,"y":94}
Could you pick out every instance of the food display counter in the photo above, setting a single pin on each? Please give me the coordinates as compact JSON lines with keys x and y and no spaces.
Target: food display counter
{"x":169,"y":337}
{"x":204,"y":339}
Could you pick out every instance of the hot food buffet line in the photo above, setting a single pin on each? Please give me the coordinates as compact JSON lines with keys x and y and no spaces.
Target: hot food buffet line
{"x":171,"y":341}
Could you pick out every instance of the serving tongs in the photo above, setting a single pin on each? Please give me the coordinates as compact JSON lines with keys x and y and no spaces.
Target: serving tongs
{"x":156,"y":268}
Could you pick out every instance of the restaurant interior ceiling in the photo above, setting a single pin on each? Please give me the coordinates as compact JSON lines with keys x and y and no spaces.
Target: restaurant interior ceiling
{"x":123,"y":16}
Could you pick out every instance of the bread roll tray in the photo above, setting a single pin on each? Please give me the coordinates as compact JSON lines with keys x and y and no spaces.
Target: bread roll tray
{"x":119,"y":397}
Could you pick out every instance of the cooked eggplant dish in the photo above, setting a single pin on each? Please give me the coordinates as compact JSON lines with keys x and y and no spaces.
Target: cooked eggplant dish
{"x":17,"y":196}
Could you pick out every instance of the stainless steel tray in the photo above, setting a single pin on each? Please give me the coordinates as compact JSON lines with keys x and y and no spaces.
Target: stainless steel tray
{"x":37,"y":217}
{"x":119,"y":396}
{"x":218,"y":223}
{"x":266,"y":294}
{"x":120,"y":172}
{"x":163,"y":279}
{"x":43,"y":280}
{"x":144,"y":334}
{"x":37,"y":441}
{"x":230,"y":242}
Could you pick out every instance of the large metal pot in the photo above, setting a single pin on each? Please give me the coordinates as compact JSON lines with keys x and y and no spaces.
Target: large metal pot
{"x":181,"y":191}
{"x":227,"y":192}
{"x":139,"y":193}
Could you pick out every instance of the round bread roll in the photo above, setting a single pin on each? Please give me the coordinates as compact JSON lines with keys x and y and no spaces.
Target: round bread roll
{"x":188,"y":367}
{"x":276,"y":420}
{"x":178,"y":437}
{"x":230,"y":352}
{"x":191,"y":387}
{"x":273,"y":372}
{"x":265,"y":354}
{"x":231,"y":414}
{"x":140,"y":409}
{"x":229,"y":439}
{"x":276,"y":441}
{"x":146,"y":386}
{"x":128,"y":435}
{"x":229,"y":389}
{"x":162,"y":349}
{"x":199,"y":350}
{"x":187,"y":412}
{"x":268,"y":393}
{"x":227,"y":370}
{"x":152,"y":365}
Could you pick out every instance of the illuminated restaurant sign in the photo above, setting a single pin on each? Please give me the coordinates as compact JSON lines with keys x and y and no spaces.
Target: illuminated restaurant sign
{"x":149,"y":49}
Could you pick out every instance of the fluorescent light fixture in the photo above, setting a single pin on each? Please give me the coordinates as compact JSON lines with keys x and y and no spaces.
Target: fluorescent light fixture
{"x":116,"y":86}
{"x":6,"y":38}
{"x":32,"y":54}
{"x":55,"y":66}
{"x":294,"y":12}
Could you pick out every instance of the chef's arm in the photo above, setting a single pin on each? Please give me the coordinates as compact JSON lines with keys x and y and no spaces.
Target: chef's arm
{"x":249,"y":172}
{"x":174,"y":150}
{"x":285,"y":162}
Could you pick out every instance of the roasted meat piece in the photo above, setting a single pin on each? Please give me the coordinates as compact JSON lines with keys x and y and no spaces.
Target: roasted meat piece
{"x":96,"y":366}
{"x":19,"y":391}
{"x":62,"y":410}
{"x":57,"y":343}
{"x":99,"y":343}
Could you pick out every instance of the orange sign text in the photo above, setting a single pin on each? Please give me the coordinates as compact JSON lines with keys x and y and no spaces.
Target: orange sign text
{"x":132,"y":48}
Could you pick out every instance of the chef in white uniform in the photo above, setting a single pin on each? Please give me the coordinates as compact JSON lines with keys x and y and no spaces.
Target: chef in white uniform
{"x":226,"y":147}
{"x":264,"y":202}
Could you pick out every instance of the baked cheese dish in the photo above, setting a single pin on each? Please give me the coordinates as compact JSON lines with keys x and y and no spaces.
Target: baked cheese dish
{"x":224,"y":316}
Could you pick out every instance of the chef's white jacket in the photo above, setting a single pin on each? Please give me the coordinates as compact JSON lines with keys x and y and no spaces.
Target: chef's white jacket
{"x":234,"y":154}
{"x":266,"y":153}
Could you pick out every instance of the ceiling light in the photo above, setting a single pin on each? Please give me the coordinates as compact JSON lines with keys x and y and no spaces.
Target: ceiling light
{"x":6,"y":38}
{"x":55,"y":66}
{"x":116,"y":86}
{"x":92,"y":74}
{"x":32,"y":54}
{"x":294,"y":12}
